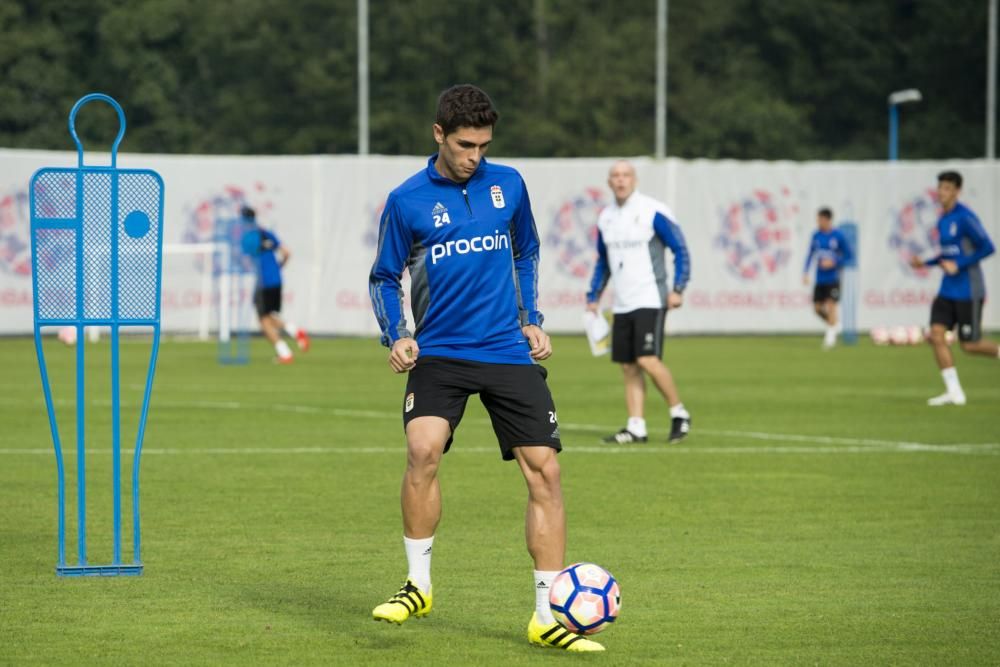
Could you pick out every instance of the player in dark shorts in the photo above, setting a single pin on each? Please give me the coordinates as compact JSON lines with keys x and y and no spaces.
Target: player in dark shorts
{"x":959,"y":303}
{"x":263,"y":247}
{"x":633,"y":234}
{"x":464,"y":228}
{"x":831,"y":251}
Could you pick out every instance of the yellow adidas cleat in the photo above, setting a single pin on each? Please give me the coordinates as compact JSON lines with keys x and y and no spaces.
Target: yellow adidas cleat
{"x":556,"y":636}
{"x":409,"y":601}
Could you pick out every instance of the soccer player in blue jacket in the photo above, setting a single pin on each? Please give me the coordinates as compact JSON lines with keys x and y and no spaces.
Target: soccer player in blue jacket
{"x":270,"y":256}
{"x":830,"y":249}
{"x":964,"y":243}
{"x":464,"y":230}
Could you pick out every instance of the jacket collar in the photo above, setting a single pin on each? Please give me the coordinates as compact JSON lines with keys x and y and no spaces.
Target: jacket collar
{"x":435,"y":177}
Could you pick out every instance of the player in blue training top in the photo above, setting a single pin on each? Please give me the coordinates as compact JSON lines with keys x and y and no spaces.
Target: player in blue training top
{"x":963,"y":243}
{"x":270,"y":255}
{"x":464,"y":230}
{"x":831,"y":251}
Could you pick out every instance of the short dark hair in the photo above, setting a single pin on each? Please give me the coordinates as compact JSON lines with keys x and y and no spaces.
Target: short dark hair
{"x":951,"y":177}
{"x":825,"y":212}
{"x":465,"y":105}
{"x":247,"y":212}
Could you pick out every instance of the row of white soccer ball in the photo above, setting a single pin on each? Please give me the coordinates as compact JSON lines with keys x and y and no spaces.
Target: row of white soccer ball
{"x":903,"y":335}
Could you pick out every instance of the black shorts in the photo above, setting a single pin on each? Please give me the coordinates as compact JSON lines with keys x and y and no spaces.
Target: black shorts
{"x":638,"y":333}
{"x":267,"y":300}
{"x":828,"y":292}
{"x":968,"y":315}
{"x":515,"y":396}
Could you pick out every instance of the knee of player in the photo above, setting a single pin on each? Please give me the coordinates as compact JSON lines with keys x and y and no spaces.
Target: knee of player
{"x":545,"y":473}
{"x":423,"y":455}
{"x":649,"y":362}
{"x":631,"y":368}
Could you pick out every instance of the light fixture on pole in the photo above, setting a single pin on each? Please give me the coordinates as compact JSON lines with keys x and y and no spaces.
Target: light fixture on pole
{"x":895,"y":99}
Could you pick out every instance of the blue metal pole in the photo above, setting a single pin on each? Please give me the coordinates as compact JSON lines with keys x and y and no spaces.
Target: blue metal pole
{"x":893,"y":132}
{"x":81,"y":418}
{"x":116,"y":459}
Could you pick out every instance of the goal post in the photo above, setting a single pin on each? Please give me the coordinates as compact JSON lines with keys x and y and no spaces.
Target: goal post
{"x":849,"y":286}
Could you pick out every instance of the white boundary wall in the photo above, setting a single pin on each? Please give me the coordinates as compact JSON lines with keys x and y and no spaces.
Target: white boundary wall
{"x":747,"y":225}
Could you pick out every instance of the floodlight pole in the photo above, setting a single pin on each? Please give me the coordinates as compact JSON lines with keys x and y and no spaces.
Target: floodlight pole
{"x":991,"y":82}
{"x":362,"y":77}
{"x":895,"y":99}
{"x":661,"y":79}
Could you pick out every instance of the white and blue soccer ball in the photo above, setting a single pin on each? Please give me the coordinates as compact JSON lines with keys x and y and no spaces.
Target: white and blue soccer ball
{"x":585,"y":598}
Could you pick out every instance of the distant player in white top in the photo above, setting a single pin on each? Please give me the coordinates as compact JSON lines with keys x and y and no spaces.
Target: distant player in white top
{"x":633,"y":234}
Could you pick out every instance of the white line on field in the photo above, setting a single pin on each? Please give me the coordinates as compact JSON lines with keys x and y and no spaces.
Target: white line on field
{"x":846,"y":445}
{"x":614,"y":450}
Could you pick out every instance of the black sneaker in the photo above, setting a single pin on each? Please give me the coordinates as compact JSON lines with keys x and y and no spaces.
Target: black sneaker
{"x":679,"y":428}
{"x":625,"y":437}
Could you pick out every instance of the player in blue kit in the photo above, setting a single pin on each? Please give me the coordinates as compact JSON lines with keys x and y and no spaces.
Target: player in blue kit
{"x":464,"y":230}
{"x":964,"y":243}
{"x":264,"y":248}
{"x":830,"y":249}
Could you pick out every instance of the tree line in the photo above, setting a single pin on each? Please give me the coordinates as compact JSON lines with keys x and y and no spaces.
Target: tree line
{"x":747,"y":79}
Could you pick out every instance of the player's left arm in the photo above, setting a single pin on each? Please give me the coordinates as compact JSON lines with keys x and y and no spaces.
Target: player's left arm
{"x":272,"y":242}
{"x":670,"y":233}
{"x":973,"y":230}
{"x":525,"y":247}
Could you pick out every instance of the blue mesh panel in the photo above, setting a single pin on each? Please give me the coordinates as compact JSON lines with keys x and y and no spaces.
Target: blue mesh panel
{"x":138,"y":265}
{"x":55,"y":194}
{"x":96,"y":245}
{"x":56,"y":289}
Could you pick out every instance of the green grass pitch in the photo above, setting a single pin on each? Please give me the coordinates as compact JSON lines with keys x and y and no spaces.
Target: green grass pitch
{"x":819,"y":513}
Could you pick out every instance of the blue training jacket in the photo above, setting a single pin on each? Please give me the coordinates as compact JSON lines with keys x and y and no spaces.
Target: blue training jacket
{"x":270,"y":272}
{"x":472,"y":252}
{"x":963,"y":240}
{"x":828,"y":245}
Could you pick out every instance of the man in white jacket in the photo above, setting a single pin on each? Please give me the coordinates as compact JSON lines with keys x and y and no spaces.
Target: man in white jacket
{"x":633,"y":234}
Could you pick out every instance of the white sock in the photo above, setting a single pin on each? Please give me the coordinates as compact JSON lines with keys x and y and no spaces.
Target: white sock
{"x":281,"y":347}
{"x":291,"y":329}
{"x":679,"y":411}
{"x":950,"y":377}
{"x":418,"y":556}
{"x":831,"y":334}
{"x":543,"y":583}
{"x":637,"y":425}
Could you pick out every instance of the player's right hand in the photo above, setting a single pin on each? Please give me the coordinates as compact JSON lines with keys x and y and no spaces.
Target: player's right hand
{"x":404,"y":354}
{"x":805,"y":279}
{"x":592,"y":306}
{"x":916,"y":262}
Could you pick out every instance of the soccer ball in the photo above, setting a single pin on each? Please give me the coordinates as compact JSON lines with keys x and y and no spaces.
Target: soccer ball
{"x":899,"y":336}
{"x":880,"y":335}
{"x":68,"y":335}
{"x":915,"y":335}
{"x":585,"y":598}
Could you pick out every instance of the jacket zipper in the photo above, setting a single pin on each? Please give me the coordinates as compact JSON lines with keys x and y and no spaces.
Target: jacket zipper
{"x":468,"y":206}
